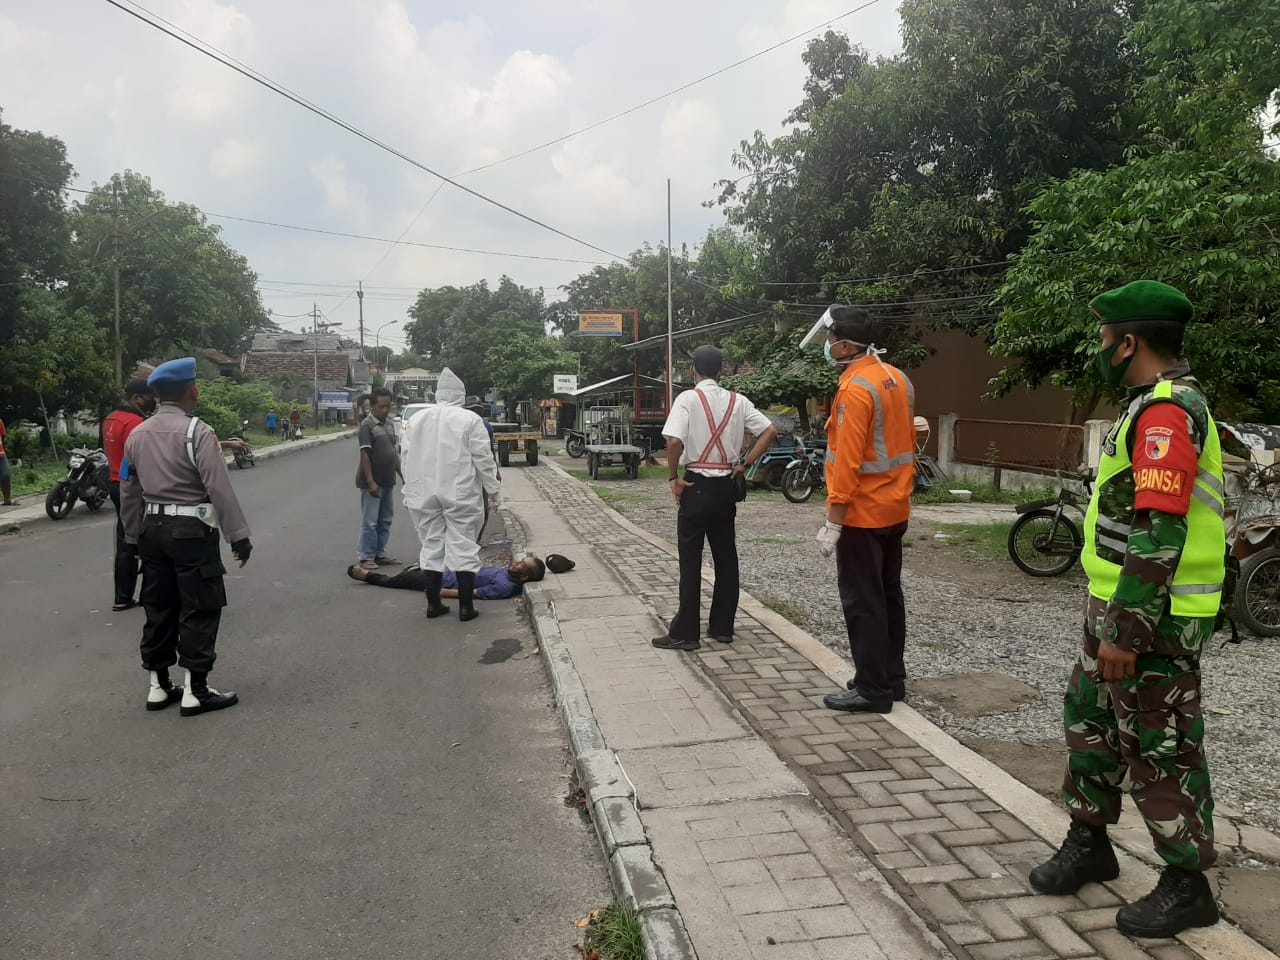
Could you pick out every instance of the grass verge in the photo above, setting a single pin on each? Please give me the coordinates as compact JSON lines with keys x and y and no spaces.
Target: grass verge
{"x":982,"y":493}
{"x":614,"y":934}
{"x":987,"y":540}
{"x":36,"y":477}
{"x":619,"y":473}
{"x":784,"y":608}
{"x":611,"y":496}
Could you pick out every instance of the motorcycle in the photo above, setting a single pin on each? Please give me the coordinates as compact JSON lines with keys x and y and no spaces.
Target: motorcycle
{"x":295,"y":431}
{"x":806,"y":473}
{"x":243,"y":458}
{"x":575,"y":443}
{"x":88,"y":479}
{"x":771,"y":468}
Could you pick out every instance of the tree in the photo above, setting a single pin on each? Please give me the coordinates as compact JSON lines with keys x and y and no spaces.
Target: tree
{"x":522,"y":367}
{"x":181,"y":286}
{"x":456,"y":326}
{"x":1196,"y":206}
{"x":33,"y":228}
{"x":58,"y":360}
{"x":1203,"y":224}
{"x":786,"y":374}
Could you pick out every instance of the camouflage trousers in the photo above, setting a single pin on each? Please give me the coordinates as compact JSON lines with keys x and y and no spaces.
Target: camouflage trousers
{"x":1145,"y":736}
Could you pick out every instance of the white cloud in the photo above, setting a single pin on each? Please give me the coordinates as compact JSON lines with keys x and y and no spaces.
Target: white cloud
{"x":454,"y":91}
{"x":235,"y":158}
{"x":341,"y":193}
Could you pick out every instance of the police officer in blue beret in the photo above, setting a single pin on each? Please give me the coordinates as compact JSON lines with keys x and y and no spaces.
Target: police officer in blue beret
{"x":175,"y":502}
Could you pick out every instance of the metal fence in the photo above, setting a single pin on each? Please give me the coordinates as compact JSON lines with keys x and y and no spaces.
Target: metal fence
{"x":1017,"y":445}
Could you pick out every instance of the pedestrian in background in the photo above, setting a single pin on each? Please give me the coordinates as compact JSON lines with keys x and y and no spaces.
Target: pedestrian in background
{"x":451,"y":469}
{"x":1154,"y":550}
{"x":870,"y":477}
{"x":376,"y":480}
{"x":705,"y":432}
{"x":273,"y":422}
{"x":140,"y":403}
{"x":4,"y":468}
{"x":295,"y":423}
{"x":177,"y":497}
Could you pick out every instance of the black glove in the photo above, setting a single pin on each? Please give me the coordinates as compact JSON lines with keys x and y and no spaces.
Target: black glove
{"x":241,"y":550}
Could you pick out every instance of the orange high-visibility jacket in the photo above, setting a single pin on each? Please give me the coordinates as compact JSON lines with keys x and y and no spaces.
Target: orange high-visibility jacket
{"x":871,"y":448}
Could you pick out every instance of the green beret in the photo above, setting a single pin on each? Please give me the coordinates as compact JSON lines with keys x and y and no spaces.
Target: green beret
{"x":1142,"y":300}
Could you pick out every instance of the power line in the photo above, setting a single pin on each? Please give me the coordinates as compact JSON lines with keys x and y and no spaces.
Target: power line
{"x":407,"y":243}
{"x":671,"y":93}
{"x":356,"y":131}
{"x":341,"y":233}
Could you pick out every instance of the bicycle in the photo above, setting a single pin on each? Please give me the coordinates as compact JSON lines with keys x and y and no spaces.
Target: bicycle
{"x":1044,"y":542}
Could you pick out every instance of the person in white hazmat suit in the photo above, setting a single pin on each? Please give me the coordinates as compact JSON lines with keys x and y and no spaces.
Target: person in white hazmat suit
{"x":448,"y":468}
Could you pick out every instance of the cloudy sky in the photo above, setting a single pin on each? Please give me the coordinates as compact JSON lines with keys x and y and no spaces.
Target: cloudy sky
{"x":452,"y":84}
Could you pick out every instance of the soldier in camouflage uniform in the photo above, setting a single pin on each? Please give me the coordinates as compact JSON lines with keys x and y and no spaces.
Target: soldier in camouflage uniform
{"x":1155,"y":545}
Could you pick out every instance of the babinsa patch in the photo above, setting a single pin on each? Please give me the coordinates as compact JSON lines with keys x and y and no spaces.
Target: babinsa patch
{"x":1160,"y":480}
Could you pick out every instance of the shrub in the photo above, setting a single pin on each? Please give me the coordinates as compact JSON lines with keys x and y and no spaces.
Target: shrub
{"x":225,"y":422}
{"x":22,"y":445}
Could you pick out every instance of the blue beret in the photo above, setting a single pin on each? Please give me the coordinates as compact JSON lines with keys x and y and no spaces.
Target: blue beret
{"x":174,"y":371}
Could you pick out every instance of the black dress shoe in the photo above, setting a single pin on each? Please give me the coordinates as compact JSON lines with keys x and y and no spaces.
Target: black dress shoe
{"x":720,"y":639}
{"x":851,"y":701}
{"x":671,"y":643}
{"x":1086,"y":856}
{"x":1182,"y":899}
{"x":899,"y":695}
{"x":206,"y":701}
{"x":465,"y":612}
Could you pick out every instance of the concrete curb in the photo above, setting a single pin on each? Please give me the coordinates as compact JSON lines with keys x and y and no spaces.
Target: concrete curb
{"x":637,"y":879}
{"x":1039,"y":813}
{"x":15,"y":524}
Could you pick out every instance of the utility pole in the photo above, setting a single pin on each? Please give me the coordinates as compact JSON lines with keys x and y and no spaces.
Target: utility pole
{"x":670,"y":299}
{"x":360,"y":300}
{"x":115,"y":276}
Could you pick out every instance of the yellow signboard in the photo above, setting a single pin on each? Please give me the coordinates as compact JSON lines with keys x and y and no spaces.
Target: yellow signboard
{"x":600,"y":324}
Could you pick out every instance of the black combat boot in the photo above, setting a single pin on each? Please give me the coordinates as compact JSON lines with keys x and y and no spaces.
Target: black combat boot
{"x":201,"y":698}
{"x":435,"y":583}
{"x":162,"y":691}
{"x":1182,"y":899}
{"x":1086,"y":856}
{"x":466,"y":597}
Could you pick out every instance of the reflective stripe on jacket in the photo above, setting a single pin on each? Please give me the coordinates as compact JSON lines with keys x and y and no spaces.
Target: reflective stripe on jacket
{"x":871,"y":445}
{"x":1196,"y":590}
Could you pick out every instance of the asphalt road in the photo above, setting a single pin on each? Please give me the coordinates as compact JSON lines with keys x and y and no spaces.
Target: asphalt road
{"x":389,"y":787}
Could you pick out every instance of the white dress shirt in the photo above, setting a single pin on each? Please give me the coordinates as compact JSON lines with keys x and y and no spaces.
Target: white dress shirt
{"x":688,"y":424}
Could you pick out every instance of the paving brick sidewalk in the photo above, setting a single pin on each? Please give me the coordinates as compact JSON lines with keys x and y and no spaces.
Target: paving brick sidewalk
{"x":735,"y":761}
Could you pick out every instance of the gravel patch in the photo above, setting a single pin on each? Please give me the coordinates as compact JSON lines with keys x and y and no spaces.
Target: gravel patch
{"x":967,"y":613}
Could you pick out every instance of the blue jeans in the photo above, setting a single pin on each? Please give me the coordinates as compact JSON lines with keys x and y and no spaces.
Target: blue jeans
{"x":375,"y":523}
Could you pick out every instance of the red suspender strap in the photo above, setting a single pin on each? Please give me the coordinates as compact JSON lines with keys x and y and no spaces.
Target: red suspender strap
{"x":716,"y":446}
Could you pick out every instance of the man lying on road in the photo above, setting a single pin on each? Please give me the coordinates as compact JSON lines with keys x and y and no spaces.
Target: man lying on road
{"x":492,"y":583}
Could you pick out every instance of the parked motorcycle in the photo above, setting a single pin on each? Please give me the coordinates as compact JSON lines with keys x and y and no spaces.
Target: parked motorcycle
{"x":88,"y":479}
{"x":243,"y":458}
{"x":770,"y":469}
{"x":806,"y":473}
{"x":575,"y":443}
{"x":295,"y":431}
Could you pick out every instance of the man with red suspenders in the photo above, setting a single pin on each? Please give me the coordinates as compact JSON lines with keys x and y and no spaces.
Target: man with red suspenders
{"x":704,"y":432}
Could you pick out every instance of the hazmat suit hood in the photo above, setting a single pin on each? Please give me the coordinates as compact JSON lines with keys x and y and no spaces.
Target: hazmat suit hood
{"x":450,"y":390}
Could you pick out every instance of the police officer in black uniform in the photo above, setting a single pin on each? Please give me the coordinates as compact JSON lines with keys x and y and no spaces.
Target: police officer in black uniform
{"x":175,"y":501}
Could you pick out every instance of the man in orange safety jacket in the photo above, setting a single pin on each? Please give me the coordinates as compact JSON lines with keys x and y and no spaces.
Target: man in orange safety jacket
{"x":870,"y":477}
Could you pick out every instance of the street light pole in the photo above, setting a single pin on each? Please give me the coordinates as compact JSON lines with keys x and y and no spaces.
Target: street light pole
{"x":670,"y":299}
{"x":115,"y":276}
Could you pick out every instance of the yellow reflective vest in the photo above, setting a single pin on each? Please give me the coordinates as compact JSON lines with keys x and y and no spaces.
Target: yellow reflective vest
{"x":1196,"y":590}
